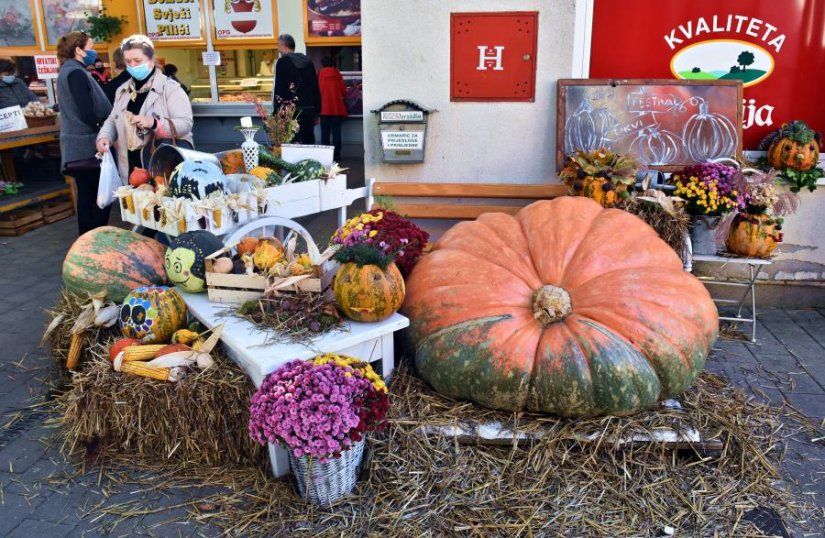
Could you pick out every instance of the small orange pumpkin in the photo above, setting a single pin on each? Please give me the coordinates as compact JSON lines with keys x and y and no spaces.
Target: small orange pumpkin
{"x":754,"y":236}
{"x":139,"y":176}
{"x":172,"y":348}
{"x":247,"y":245}
{"x":368,"y":293}
{"x":232,"y":162}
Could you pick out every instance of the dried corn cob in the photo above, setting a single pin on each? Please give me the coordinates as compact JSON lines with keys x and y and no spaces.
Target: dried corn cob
{"x":217,"y":216}
{"x":141,"y":353}
{"x":130,"y":203}
{"x":74,"y":351}
{"x":140,"y":369}
{"x":181,"y":225}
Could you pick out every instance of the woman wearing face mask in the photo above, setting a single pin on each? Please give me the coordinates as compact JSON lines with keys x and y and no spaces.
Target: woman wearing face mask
{"x":99,"y":73}
{"x":83,"y":109}
{"x":149,"y":106}
{"x":13,"y":91}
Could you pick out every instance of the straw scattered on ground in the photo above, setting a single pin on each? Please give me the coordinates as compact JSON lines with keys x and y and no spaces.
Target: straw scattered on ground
{"x":418,"y":485}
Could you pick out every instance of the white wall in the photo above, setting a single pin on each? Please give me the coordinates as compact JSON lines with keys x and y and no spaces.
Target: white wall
{"x":406,"y":55}
{"x":291,"y":21}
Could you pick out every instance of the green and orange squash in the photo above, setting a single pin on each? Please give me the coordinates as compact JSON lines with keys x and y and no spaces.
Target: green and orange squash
{"x":794,"y":146}
{"x":368,"y":286}
{"x":113,"y":260}
{"x":754,"y":235}
{"x":564,"y":308}
{"x":152,"y":314}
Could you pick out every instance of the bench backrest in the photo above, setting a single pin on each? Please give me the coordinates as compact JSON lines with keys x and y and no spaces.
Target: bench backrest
{"x":400,"y":192}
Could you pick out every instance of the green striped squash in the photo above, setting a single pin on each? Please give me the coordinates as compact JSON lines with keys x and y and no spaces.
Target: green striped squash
{"x":113,"y":260}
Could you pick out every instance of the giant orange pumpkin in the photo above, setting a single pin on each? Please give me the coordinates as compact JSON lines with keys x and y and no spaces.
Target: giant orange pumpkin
{"x":564,"y":308}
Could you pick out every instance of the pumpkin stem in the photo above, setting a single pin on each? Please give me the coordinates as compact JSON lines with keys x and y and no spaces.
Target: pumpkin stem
{"x":551,"y":304}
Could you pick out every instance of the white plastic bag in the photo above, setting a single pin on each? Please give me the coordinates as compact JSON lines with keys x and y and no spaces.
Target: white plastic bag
{"x":109,"y":181}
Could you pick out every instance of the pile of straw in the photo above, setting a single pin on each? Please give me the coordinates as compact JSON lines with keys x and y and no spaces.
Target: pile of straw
{"x":200,"y":421}
{"x":671,"y":228}
{"x":418,"y":485}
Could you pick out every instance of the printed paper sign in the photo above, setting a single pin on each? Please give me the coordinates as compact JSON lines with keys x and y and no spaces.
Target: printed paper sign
{"x":402,"y":139}
{"x":47,"y":66}
{"x":12,"y":119}
{"x":171,"y":21}
{"x":212,"y":58}
{"x":402,"y":115}
{"x":243,"y":19}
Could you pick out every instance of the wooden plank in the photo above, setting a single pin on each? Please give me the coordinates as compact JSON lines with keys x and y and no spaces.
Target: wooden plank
{"x":32,"y":132}
{"x":20,"y":217}
{"x":217,"y":295}
{"x":470,"y":190}
{"x":451,"y":211}
{"x":55,"y":217}
{"x":56,"y":206}
{"x":22,"y":230}
{"x":41,"y":198}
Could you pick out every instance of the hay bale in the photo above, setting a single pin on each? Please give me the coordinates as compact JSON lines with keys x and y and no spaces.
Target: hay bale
{"x":201,"y":420}
{"x":63,"y":316}
{"x":671,"y":229}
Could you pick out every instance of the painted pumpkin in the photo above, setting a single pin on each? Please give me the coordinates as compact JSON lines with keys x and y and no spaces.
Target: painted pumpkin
{"x":113,"y":260}
{"x":196,"y":179}
{"x":754,"y":236}
{"x":186,"y":258}
{"x":268,"y":253}
{"x":789,"y":153}
{"x":152,"y":314}
{"x":232,"y":162}
{"x":565,"y":308}
{"x":368,"y":293}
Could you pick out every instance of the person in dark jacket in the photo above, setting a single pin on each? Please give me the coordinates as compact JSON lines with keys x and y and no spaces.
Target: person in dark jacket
{"x":13,"y":91}
{"x":99,"y":73}
{"x":333,"y":109}
{"x":295,"y":77}
{"x":83,"y":109}
{"x":171,"y":71}
{"x":122,"y":77}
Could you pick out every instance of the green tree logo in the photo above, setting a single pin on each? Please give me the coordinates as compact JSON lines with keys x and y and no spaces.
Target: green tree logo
{"x":745,"y":59}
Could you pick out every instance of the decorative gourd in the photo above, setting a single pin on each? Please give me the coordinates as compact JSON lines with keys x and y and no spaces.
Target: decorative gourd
{"x":232,"y":162}
{"x":223,"y":265}
{"x":564,"y":308}
{"x":139,"y":176}
{"x":268,"y":253}
{"x":708,"y":135}
{"x":754,"y":236}
{"x":113,"y":260}
{"x":262,"y":172}
{"x":368,"y":293}
{"x":656,"y":146}
{"x":587,"y":128}
{"x":792,"y":152}
{"x":196,"y":179}
{"x":171,"y":348}
{"x":186,"y":258}
{"x":152,"y":314}
{"x":307,"y":169}
{"x":247,"y":245}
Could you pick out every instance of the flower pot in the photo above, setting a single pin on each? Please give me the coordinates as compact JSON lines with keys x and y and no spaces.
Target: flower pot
{"x":703,"y":234}
{"x":754,"y":236}
{"x":325,"y":482}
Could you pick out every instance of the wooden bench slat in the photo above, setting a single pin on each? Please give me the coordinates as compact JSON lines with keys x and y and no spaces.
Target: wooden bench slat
{"x":451,"y":211}
{"x":469,"y":190}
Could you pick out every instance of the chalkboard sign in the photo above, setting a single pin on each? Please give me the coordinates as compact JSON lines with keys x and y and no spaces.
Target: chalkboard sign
{"x":665,"y":124}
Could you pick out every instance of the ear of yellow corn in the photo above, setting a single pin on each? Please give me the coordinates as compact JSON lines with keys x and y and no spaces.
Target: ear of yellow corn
{"x":217,"y":216}
{"x":141,"y":353}
{"x":74,"y":351}
{"x":181,"y":225}
{"x":130,"y":203}
{"x":136,"y":368}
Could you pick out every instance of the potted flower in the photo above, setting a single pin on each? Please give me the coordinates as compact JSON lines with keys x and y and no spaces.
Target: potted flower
{"x":601,"y":175}
{"x":756,"y":230}
{"x":709,"y":191}
{"x":389,"y":232}
{"x":320,"y":410}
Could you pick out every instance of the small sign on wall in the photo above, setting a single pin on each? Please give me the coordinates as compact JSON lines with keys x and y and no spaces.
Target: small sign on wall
{"x":47,"y":66}
{"x":493,"y":56}
{"x":403,"y":128}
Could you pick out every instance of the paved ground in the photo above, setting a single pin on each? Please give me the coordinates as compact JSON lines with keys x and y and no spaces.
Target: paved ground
{"x":38,"y":499}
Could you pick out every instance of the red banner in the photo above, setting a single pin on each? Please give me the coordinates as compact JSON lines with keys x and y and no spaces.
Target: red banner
{"x":777,"y":49}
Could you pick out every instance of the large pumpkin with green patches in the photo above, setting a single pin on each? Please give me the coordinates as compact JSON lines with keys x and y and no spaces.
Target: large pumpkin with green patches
{"x":565,"y":308}
{"x":113,"y":260}
{"x":152,"y":314}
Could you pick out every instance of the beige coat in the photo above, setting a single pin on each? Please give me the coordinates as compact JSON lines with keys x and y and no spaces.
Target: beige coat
{"x":166,"y":100}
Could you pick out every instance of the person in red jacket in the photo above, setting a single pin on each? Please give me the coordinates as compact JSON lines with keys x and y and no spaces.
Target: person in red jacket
{"x":333,"y":110}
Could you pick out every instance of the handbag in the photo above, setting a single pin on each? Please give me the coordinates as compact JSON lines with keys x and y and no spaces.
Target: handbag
{"x":82,"y":167}
{"x":149,"y":149}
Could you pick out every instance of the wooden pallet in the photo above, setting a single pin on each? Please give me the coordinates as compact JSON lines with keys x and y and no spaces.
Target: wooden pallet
{"x":19,"y":221}
{"x":56,"y":210}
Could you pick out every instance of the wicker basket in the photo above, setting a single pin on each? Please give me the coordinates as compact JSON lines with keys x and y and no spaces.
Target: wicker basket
{"x":33,"y":121}
{"x":325,"y":483}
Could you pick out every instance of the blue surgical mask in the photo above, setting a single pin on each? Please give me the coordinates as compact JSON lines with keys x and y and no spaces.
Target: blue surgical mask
{"x":90,"y":58}
{"x":8,"y":79}
{"x":140,"y":72}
